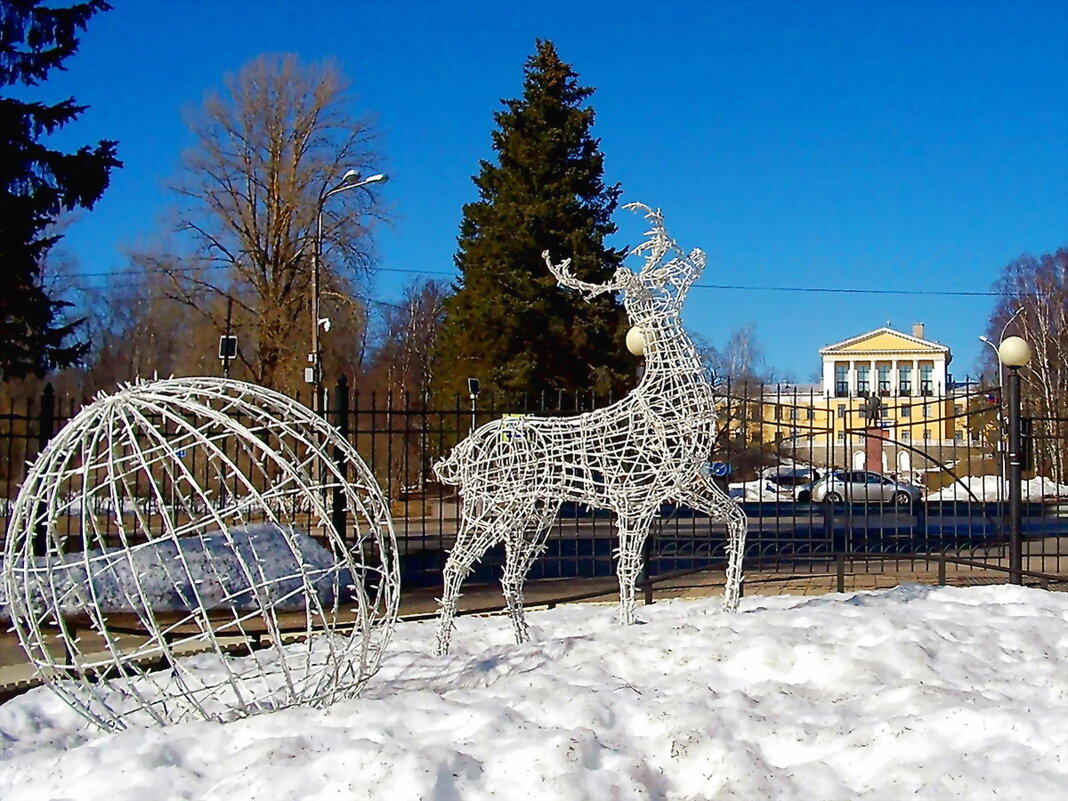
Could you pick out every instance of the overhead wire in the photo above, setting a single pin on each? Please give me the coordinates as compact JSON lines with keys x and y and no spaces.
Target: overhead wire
{"x":727,"y":287}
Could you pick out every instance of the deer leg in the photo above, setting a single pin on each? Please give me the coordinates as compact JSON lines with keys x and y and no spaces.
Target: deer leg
{"x":711,"y":500}
{"x":736,"y":530}
{"x":633,"y":529}
{"x":520,"y":553}
{"x":474,"y":537}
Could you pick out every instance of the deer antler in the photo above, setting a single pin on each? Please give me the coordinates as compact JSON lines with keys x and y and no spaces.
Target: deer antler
{"x":562,"y":273}
{"x":659,"y":243}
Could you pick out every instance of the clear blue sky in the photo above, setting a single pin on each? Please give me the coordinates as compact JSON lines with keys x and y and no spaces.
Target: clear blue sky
{"x":894,"y":145}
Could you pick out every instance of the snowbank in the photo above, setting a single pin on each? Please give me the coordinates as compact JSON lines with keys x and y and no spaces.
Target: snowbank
{"x":991,"y":488}
{"x":918,"y":692}
{"x":223,"y":570}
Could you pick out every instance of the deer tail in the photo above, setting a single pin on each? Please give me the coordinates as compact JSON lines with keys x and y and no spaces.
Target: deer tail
{"x":448,"y":469}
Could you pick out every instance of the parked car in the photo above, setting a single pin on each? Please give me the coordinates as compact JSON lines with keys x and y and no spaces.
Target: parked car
{"x":860,"y":486}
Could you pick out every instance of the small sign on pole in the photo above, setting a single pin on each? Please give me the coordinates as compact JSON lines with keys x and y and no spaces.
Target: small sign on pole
{"x":227,"y":347}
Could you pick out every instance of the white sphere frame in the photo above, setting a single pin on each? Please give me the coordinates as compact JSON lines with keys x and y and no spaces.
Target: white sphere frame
{"x":220,"y":494}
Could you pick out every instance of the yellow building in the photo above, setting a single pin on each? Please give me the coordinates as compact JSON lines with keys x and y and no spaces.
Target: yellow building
{"x":882,"y":384}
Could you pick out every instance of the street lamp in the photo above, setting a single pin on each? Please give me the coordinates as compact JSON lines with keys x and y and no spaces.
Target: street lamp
{"x":1001,"y":392}
{"x":985,"y":339}
{"x":314,"y":374}
{"x":1014,"y":353}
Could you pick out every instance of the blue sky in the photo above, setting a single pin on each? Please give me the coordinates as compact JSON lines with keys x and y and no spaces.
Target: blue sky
{"x":887,"y":145}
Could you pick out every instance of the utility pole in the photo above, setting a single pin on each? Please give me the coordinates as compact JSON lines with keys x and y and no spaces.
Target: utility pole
{"x":313,"y":374}
{"x":229,"y":353}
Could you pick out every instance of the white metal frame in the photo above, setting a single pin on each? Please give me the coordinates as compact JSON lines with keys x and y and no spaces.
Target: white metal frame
{"x":629,"y":457}
{"x":176,"y":484}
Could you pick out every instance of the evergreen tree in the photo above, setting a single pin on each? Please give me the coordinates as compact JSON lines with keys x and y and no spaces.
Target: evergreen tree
{"x":38,"y":184}
{"x":508,"y":323}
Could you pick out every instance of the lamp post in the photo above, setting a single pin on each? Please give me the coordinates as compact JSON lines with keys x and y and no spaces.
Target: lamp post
{"x":1014,"y":353}
{"x":1001,"y":398}
{"x":314,"y":374}
{"x":985,"y":339}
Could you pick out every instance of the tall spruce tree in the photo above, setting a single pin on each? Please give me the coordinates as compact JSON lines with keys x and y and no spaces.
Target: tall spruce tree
{"x":37,"y":184}
{"x":508,"y":323}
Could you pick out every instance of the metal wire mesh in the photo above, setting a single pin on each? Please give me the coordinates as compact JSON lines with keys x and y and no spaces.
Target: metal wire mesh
{"x":630,"y":457}
{"x":212,"y":516}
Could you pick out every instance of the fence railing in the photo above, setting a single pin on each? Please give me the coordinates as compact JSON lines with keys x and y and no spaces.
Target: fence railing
{"x":771,"y":443}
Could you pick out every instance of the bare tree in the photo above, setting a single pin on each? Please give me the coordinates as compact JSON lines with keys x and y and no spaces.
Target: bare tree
{"x":1039,"y":286}
{"x":405,"y":357}
{"x":266,"y":153}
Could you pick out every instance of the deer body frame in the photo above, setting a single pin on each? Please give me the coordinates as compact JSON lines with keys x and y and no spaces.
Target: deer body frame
{"x":630,"y":457}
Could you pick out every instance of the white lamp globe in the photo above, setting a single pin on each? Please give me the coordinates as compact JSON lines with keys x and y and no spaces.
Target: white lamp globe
{"x":636,"y":341}
{"x":1014,"y":352}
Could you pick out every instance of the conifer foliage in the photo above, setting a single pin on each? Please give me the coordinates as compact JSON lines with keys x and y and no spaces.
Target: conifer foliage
{"x":508,"y":323}
{"x":37,"y":184}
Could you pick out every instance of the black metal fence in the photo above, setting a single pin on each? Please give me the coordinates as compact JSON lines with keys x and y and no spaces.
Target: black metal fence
{"x":772,"y":443}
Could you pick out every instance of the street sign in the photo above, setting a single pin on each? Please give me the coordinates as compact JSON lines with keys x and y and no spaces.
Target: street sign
{"x":227,"y":347}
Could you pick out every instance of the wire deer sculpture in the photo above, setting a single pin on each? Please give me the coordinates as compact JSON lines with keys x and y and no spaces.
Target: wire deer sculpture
{"x":630,"y":457}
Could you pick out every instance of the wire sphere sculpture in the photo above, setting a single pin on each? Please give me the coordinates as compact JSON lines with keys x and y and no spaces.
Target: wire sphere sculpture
{"x":630,"y":457}
{"x":177,"y":544}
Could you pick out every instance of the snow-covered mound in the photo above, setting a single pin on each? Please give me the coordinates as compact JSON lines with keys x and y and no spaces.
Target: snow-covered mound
{"x":170,"y":574}
{"x":992,"y":488}
{"x":917,"y":692}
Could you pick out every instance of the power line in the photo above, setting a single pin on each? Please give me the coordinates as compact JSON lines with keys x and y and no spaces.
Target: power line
{"x":851,"y":291}
{"x":730,"y":287}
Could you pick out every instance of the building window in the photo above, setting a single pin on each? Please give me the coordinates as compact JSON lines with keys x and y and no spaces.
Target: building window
{"x":906,"y":412}
{"x":793,"y":412}
{"x":841,"y":411}
{"x":778,"y":412}
{"x":808,"y":413}
{"x":926,"y":411}
{"x":958,"y":436}
{"x":905,"y":436}
{"x":926,"y":434}
{"x":841,"y":436}
{"x":927,"y":379}
{"x":863,"y":380}
{"x":884,"y":379}
{"x":841,"y":380}
{"x":958,"y":409}
{"x":778,"y":436}
{"x":904,"y":380}
{"x":884,"y":412}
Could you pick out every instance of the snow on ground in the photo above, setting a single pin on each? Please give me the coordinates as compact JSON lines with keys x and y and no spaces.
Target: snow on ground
{"x":992,"y":488}
{"x":916,"y":692}
{"x":161,"y":574}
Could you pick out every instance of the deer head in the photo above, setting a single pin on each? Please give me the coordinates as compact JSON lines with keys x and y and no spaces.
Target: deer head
{"x":658,"y":289}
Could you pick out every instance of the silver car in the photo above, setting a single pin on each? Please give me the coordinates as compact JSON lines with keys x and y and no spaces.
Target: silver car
{"x":860,"y":486}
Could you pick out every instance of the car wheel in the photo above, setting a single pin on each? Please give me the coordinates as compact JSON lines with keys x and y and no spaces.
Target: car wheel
{"x":901,"y":499}
{"x":833,"y":497}
{"x":804,"y":496}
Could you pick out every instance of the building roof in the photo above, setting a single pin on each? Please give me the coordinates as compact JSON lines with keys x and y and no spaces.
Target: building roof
{"x":884,"y":341}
